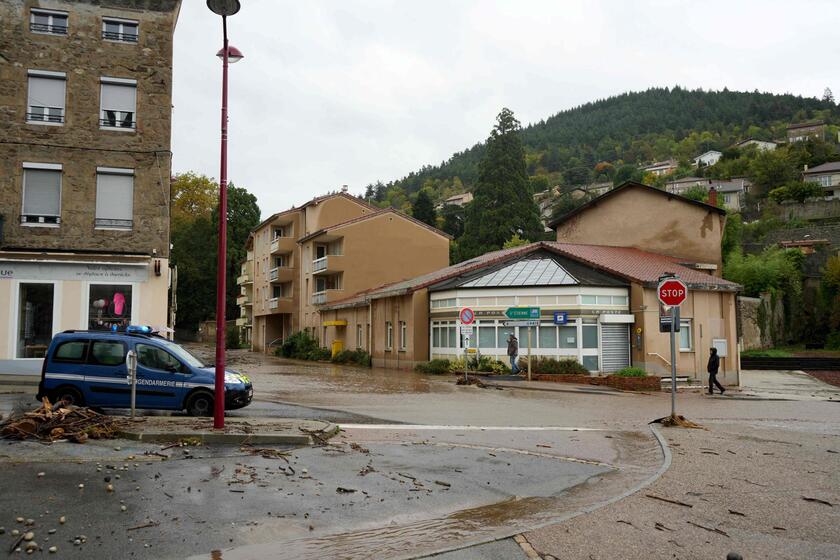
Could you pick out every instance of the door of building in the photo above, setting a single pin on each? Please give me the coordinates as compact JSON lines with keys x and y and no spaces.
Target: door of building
{"x":615,"y":347}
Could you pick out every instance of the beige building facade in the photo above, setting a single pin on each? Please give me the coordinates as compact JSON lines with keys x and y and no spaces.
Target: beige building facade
{"x":650,"y":219}
{"x":324,"y":250}
{"x":84,"y":169}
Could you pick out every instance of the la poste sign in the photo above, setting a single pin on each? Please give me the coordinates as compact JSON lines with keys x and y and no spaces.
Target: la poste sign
{"x":672,"y":292}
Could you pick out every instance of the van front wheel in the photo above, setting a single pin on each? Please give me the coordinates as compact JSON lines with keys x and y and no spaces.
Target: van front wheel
{"x":200,"y":404}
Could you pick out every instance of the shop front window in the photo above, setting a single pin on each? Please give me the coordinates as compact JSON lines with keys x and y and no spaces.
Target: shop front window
{"x":590,"y":336}
{"x":590,"y":363}
{"x":35,"y":320}
{"x":109,"y":306}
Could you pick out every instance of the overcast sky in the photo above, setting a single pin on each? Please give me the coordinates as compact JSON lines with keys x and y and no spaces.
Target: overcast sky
{"x":351,"y":92}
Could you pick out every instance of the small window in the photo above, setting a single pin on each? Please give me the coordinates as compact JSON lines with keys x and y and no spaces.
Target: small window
{"x":114,"y":198}
{"x":590,"y":363}
{"x":590,"y":336}
{"x":685,"y":336}
{"x":403,"y":335}
{"x":389,"y":335}
{"x":41,"y":194}
{"x":121,"y":30}
{"x":153,"y":357}
{"x":45,"y":104}
{"x":619,"y":300}
{"x":118,"y":104}
{"x":71,"y":352}
{"x":359,"y":341}
{"x":588,"y":300}
{"x":106,"y":353}
{"x":604,"y":300}
{"x":48,"y":22}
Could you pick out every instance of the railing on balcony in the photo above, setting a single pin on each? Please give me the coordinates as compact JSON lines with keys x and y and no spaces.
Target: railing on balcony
{"x":274,"y":303}
{"x":273,"y":273}
{"x":319,"y":298}
{"x":319,"y":265}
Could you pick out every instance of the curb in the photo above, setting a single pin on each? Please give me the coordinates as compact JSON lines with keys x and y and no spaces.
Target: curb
{"x":611,"y":392}
{"x":210,"y":437}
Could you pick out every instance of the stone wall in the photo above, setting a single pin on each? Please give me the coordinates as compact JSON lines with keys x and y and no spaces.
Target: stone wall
{"x":808,"y":210}
{"x":79,"y":144}
{"x":761,"y":321}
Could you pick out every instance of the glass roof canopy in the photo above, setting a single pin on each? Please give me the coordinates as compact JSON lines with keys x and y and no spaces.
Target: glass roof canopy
{"x":531,"y":272}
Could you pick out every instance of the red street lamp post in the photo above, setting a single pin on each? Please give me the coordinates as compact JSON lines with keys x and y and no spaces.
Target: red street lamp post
{"x":223,"y":8}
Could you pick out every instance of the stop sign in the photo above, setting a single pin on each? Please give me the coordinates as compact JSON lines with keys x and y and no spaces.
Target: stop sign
{"x":672,"y":292}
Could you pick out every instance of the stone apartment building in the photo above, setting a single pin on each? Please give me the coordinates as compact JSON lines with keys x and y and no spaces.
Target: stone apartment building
{"x":85,"y":114}
{"x":328,"y":248}
{"x":800,"y":132}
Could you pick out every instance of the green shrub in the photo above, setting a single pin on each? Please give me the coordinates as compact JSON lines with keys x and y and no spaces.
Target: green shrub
{"x":550,"y":366}
{"x":232,"y":337}
{"x":832,"y":342}
{"x":357,"y":357}
{"x":437,"y":367}
{"x":302,"y":346}
{"x":631,"y":372}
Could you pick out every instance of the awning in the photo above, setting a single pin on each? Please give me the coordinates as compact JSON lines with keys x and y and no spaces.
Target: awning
{"x":341,"y":323}
{"x":616,"y":318}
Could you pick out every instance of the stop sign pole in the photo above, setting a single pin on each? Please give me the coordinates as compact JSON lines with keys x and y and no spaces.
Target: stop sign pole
{"x":671,"y":291}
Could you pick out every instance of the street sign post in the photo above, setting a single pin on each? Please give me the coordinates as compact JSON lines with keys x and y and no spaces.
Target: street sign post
{"x":529,"y":323}
{"x":672,"y":292}
{"x":522,"y":313}
{"x":466,"y":316}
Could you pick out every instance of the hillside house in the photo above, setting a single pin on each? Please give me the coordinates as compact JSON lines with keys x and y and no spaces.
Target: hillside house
{"x":761,"y":145}
{"x":661,"y":168}
{"x":828,"y":177}
{"x":800,"y":132}
{"x":707,"y":158}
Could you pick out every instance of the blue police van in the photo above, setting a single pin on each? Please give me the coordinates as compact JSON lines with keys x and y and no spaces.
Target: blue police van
{"x":88,"y":368}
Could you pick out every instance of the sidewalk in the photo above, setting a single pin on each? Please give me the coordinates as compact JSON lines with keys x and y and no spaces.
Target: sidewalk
{"x":785,"y":385}
{"x":238,"y":431}
{"x":523,"y":384}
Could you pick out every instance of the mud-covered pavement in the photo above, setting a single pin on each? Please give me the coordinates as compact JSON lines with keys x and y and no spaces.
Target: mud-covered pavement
{"x":424,"y":466}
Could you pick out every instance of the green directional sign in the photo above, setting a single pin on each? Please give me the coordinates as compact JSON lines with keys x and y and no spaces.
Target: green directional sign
{"x":523,"y":313}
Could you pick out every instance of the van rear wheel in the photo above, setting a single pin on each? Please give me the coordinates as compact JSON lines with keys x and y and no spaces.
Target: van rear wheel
{"x":70,"y":395}
{"x":200,"y":404}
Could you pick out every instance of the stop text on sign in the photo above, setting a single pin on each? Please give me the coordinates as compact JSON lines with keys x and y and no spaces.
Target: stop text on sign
{"x":672,"y":292}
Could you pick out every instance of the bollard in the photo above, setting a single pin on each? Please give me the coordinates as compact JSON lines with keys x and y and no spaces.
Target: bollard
{"x":131,"y":365}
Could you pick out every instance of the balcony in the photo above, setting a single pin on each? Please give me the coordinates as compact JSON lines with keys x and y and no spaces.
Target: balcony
{"x":281,"y":245}
{"x":281,"y":274}
{"x":327,"y":296}
{"x":281,"y":305}
{"x":243,"y":301}
{"x":330,"y":264}
{"x":243,"y":322}
{"x":245,"y":278}
{"x":319,"y":298}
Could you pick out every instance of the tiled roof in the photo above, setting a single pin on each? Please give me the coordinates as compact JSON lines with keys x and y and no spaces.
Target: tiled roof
{"x":315,"y":200}
{"x":805,"y":124}
{"x":641,"y":266}
{"x":631,"y":264}
{"x":824,"y":168}
{"x":378,"y":212}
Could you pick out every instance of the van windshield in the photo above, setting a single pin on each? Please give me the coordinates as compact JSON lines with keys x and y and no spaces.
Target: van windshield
{"x":181,"y":353}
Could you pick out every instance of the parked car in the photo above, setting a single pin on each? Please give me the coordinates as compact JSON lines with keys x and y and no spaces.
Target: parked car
{"x":89,"y":368}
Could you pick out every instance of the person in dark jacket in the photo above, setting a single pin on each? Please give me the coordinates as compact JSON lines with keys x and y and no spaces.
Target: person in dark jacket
{"x":712,"y":368}
{"x":513,"y":352}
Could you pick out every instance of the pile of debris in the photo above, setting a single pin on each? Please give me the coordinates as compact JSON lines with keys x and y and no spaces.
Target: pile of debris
{"x":59,"y":422}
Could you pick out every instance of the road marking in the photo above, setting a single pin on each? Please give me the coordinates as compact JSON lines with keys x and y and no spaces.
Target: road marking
{"x":468,"y":428}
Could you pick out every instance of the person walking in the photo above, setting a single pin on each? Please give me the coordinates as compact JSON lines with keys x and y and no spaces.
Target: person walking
{"x":712,"y":368}
{"x":513,"y":352}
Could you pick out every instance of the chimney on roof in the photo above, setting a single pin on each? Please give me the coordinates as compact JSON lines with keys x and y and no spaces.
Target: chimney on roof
{"x":713,"y":196}
{"x":343,"y":188}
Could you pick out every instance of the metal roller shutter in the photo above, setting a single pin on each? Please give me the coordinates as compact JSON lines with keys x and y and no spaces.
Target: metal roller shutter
{"x":615,"y":347}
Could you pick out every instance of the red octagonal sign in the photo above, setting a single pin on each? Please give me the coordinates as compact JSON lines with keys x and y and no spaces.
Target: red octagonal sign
{"x":672,"y":292}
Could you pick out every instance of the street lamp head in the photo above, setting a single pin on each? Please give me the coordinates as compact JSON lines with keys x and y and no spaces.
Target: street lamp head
{"x":234,"y":54}
{"x":223,"y":7}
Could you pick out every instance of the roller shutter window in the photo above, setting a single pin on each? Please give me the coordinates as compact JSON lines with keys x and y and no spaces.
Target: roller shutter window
{"x":45,"y":102}
{"x":119,"y":98}
{"x":114,"y":198}
{"x":615,"y":347}
{"x":41,"y":194}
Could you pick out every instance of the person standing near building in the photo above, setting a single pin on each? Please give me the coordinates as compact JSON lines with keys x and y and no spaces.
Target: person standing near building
{"x":712,"y":368}
{"x":513,"y":352}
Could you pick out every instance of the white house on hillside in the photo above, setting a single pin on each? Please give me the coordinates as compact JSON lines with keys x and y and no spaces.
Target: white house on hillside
{"x":761,"y":145}
{"x":708,"y":158}
{"x":828,"y":177}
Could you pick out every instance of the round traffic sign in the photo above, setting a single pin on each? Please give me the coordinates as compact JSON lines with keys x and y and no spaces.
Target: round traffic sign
{"x":672,"y":291}
{"x":467,"y":316}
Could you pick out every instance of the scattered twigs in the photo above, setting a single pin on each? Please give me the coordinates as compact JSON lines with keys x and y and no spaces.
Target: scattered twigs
{"x":710,"y":529}
{"x":675,"y":502}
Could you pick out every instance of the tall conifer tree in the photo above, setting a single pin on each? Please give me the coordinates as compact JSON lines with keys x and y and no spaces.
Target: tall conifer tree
{"x":503,"y":205}
{"x":423,"y":209}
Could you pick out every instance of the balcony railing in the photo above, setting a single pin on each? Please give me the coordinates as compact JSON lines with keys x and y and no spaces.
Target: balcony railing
{"x":111,"y":223}
{"x":40,"y":219}
{"x":118,"y":119}
{"x":319,"y":265}
{"x":115,"y":36}
{"x":274,"y":303}
{"x":46,"y":28}
{"x":38,"y":113}
{"x":319,"y":298}
{"x":273,"y":274}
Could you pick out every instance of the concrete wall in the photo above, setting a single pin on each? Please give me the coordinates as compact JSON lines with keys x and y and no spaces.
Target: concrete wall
{"x":638,"y":217}
{"x":808,"y":210}
{"x":762,"y":321}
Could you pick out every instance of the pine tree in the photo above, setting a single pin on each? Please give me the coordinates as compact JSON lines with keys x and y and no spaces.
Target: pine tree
{"x":503,"y":205}
{"x":423,"y":209}
{"x":828,"y":96}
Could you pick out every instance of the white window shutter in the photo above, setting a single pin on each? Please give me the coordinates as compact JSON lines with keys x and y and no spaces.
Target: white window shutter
{"x":46,"y":92}
{"x":42,"y":192}
{"x":114,"y":196}
{"x":119,"y":97}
